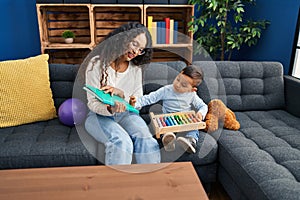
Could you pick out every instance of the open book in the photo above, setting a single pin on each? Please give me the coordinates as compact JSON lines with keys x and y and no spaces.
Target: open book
{"x":106,"y":98}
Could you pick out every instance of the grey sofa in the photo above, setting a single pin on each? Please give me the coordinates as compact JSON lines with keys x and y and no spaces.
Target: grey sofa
{"x":262,"y":159}
{"x":52,"y":144}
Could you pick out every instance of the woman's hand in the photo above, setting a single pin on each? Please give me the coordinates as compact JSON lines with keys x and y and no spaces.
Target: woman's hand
{"x":117,"y":108}
{"x":113,"y":91}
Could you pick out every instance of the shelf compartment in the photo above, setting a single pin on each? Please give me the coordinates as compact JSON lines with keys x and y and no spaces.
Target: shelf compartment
{"x":109,"y":17}
{"x":181,"y":13}
{"x":55,"y":18}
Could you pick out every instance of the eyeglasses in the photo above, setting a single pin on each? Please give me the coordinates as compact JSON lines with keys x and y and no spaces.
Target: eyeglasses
{"x":135,"y":45}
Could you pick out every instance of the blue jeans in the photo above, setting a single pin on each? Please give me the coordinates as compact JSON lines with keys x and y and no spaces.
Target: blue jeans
{"x":194,"y":134}
{"x":123,"y":135}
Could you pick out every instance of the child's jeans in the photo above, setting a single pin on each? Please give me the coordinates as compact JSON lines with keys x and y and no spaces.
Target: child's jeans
{"x":123,"y":135}
{"x":194,"y":134}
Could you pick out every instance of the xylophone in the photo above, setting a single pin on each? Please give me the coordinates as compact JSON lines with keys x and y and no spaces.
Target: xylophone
{"x":175,"y":122}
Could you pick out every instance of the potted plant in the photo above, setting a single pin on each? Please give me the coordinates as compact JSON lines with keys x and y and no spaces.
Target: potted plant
{"x":221,"y":27}
{"x":69,"y":36}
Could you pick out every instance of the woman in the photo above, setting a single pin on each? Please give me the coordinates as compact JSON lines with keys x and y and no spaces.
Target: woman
{"x":113,"y":66}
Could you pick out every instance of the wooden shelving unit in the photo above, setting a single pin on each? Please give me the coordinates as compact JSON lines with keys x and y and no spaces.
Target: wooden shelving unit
{"x":92,"y":22}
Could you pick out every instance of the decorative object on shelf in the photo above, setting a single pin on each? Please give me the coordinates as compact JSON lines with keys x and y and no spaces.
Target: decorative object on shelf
{"x":221,"y":27}
{"x":69,"y":36}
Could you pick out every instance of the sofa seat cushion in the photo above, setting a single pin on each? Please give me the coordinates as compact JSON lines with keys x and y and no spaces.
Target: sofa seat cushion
{"x":42,"y":144}
{"x":263,"y":157}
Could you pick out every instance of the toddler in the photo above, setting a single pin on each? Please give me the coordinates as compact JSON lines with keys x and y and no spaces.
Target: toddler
{"x":178,"y":97}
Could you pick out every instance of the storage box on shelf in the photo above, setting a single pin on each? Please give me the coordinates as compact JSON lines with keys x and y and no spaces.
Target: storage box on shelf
{"x":92,"y":22}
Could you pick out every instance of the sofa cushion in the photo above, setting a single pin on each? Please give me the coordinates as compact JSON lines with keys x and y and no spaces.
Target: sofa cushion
{"x":62,"y":81}
{"x":162,"y":73}
{"x":263,"y":157}
{"x":243,"y":85}
{"x":44,"y":144}
{"x":25,"y":91}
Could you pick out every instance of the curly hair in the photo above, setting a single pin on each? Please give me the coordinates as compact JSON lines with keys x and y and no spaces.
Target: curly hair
{"x":116,"y":44}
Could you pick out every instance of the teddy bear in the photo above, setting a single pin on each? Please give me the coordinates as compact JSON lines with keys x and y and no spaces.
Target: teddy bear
{"x":219,"y":114}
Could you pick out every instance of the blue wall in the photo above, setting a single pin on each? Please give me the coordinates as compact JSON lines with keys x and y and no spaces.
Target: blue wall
{"x":19,"y":36}
{"x":277,"y":40}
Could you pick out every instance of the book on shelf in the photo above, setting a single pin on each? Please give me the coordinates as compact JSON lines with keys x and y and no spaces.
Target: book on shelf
{"x":171,"y":31}
{"x":158,"y":35}
{"x":175,"y":34}
{"x":154,"y":32}
{"x":163,"y":32}
{"x":167,"y":30}
{"x":149,"y":25}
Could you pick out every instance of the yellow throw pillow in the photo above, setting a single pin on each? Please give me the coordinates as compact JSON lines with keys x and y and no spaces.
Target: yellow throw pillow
{"x":25,"y":94}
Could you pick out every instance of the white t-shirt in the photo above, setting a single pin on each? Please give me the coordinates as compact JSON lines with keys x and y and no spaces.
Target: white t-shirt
{"x":129,"y":81}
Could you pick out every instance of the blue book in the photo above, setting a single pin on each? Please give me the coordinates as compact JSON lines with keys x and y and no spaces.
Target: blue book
{"x":163,"y":32}
{"x":175,"y":35}
{"x":158,"y":31}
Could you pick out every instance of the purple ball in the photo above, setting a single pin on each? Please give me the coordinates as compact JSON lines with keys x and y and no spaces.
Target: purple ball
{"x":72,"y":112}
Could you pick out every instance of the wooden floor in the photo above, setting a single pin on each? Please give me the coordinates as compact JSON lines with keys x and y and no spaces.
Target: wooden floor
{"x":218,"y":193}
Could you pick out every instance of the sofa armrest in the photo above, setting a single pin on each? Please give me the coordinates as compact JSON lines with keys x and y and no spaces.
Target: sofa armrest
{"x":292,"y":94}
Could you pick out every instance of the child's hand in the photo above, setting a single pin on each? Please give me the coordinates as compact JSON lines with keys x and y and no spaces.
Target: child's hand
{"x":132,"y":100}
{"x":199,"y":116}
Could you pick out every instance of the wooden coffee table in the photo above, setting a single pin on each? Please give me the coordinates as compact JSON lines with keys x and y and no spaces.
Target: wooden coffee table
{"x":136,"y":182}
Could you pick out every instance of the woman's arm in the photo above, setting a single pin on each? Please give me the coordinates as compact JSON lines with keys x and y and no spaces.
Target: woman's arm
{"x":93,"y":78}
